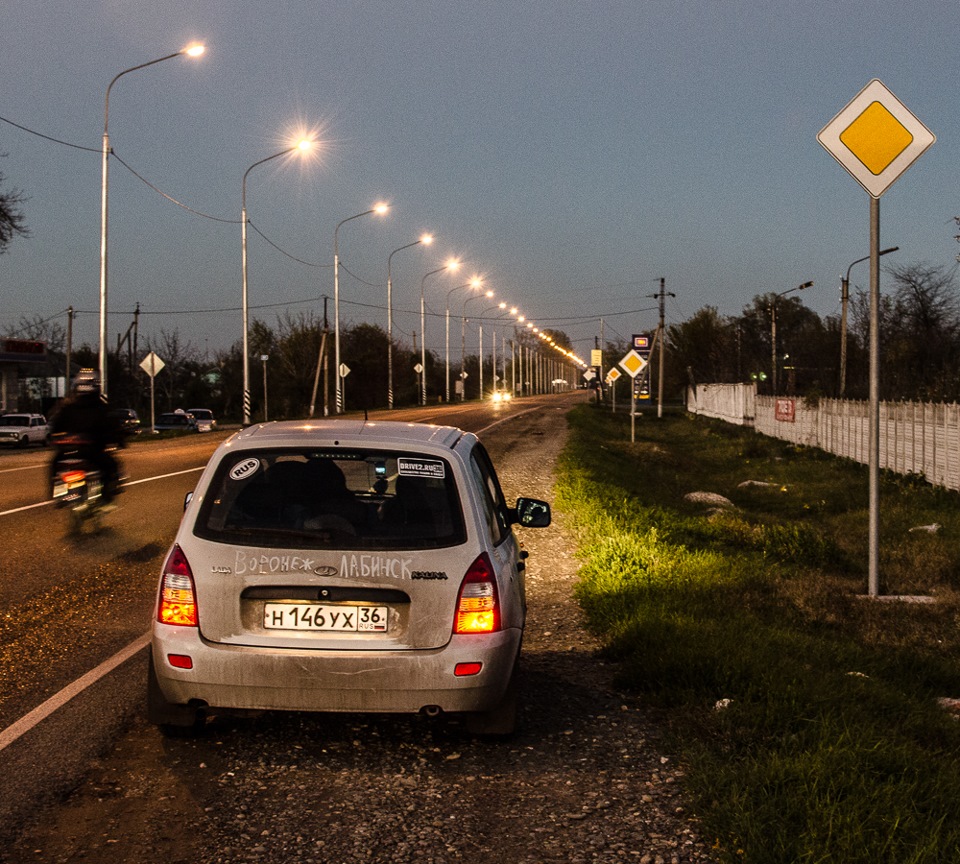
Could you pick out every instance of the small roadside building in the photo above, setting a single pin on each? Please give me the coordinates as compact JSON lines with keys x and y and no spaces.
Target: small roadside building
{"x":23,"y":384}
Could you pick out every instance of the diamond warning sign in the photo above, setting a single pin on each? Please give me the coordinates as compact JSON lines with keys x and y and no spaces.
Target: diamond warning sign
{"x":875,"y":138}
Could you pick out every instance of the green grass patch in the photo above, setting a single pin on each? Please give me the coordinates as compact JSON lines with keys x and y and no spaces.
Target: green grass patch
{"x":832,"y":747}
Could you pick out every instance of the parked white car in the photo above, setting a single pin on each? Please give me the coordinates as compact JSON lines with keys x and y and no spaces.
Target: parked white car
{"x":206,"y":422}
{"x":19,"y":430}
{"x":343,"y":566}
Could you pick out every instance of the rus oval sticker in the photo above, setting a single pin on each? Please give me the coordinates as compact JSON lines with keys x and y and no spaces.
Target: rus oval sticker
{"x":244,"y":469}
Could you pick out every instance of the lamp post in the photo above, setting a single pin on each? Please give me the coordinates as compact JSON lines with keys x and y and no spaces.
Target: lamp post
{"x":773,"y":329}
{"x":844,"y":299}
{"x":426,"y":240}
{"x":303,"y":146}
{"x":194,"y":50}
{"x":501,"y":306}
{"x":379,"y":209}
{"x":463,"y":342}
{"x":451,"y":266}
{"x":476,"y":282}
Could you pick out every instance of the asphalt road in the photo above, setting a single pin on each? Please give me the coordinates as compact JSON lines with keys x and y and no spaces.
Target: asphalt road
{"x":70,"y":605}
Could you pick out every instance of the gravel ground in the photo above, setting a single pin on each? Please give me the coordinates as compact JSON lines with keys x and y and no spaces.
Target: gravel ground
{"x":583,"y":780}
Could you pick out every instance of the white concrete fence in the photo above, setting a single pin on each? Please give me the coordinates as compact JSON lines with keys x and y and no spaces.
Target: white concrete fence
{"x":915,"y":437}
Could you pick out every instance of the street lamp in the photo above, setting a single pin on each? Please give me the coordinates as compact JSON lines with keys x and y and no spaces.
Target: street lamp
{"x":303,"y":145}
{"x":194,"y":50}
{"x":773,"y":329}
{"x":844,"y":298}
{"x":426,"y":240}
{"x":476,"y":282}
{"x":379,"y":209}
{"x":463,"y":342}
{"x":501,"y":306}
{"x":451,"y":266}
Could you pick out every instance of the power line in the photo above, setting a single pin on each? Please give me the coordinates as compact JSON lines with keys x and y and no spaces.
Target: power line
{"x":49,"y":138}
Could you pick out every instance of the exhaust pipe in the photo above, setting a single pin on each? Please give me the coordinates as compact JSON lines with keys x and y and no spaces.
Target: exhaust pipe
{"x":431,"y":710}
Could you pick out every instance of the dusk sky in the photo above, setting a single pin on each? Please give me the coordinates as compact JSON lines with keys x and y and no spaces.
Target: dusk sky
{"x":572,"y":153}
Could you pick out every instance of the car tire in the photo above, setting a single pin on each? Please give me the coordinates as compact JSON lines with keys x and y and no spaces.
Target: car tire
{"x":174,"y":721}
{"x":23,"y":442}
{"x":501,"y":721}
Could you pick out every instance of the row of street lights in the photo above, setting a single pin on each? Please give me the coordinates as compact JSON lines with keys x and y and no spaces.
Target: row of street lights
{"x":303,"y":146}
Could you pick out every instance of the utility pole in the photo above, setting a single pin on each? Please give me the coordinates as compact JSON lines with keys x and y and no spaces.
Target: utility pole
{"x":602,"y":345}
{"x":324,"y":351}
{"x":66,"y":382}
{"x":321,"y":363}
{"x":662,"y":297}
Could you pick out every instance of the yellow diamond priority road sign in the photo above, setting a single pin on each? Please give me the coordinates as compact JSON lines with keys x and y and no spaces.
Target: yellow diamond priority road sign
{"x":875,"y":138}
{"x":633,"y":363}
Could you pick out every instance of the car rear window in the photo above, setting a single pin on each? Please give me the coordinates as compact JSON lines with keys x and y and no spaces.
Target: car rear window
{"x":342,"y":500}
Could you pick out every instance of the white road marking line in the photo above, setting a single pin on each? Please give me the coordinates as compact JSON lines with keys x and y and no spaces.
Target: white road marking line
{"x":129,"y":483}
{"x":58,"y":700}
{"x":22,"y":468}
{"x":504,"y":419}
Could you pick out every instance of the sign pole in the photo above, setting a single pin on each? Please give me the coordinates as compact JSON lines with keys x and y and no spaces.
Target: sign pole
{"x":873,"y":579}
{"x":876,"y":138}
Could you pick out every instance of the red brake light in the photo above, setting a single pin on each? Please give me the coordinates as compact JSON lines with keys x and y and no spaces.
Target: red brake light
{"x":478,"y":604}
{"x":178,"y":604}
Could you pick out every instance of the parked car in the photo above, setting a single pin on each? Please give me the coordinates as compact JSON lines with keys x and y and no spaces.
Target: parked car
{"x":206,"y":422}
{"x":127,"y":420}
{"x":175,"y":421}
{"x":343,"y":566}
{"x":19,"y":430}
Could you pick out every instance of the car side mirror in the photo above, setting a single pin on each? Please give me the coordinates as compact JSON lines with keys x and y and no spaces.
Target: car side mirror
{"x":187,"y":499}
{"x":532,"y":513}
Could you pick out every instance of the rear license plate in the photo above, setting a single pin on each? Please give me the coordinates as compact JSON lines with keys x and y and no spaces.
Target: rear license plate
{"x":313,"y":616}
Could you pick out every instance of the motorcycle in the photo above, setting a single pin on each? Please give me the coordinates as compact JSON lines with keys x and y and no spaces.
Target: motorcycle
{"x":77,"y":485}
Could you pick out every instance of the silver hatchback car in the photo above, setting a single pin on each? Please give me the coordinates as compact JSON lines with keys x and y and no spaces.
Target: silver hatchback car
{"x":343,"y":566}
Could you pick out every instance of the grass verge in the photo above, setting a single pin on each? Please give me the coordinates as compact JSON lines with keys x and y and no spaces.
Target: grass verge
{"x":832,"y":747}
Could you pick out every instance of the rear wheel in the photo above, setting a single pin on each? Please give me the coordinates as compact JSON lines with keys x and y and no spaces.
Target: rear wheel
{"x":501,"y":720}
{"x":175,"y":721}
{"x":75,"y":520}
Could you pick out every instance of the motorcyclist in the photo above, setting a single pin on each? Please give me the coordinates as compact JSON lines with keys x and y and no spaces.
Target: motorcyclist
{"x":84,"y":416}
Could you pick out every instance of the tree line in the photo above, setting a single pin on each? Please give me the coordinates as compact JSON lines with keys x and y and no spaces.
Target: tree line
{"x":299,"y":370}
{"x":919,"y":331}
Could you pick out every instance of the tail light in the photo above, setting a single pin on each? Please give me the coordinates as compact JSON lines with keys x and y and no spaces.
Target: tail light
{"x":478,"y":603}
{"x":73,"y":478}
{"x":178,"y":602}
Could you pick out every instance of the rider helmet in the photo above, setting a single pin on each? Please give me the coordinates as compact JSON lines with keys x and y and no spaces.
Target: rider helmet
{"x":86,"y":381}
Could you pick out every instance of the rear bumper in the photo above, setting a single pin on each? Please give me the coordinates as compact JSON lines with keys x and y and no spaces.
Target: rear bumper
{"x":235,"y":677}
